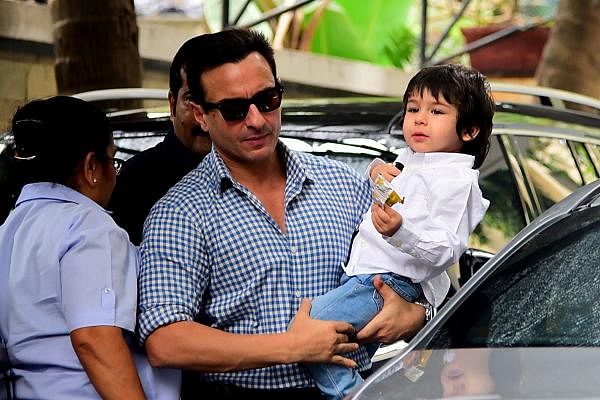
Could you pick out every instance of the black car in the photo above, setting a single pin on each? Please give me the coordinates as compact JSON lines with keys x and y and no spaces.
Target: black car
{"x":540,"y":151}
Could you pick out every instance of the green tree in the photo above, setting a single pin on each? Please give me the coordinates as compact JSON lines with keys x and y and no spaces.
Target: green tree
{"x":376,"y":33}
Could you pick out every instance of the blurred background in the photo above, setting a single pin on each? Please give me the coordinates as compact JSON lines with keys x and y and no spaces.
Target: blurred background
{"x":323,"y":47}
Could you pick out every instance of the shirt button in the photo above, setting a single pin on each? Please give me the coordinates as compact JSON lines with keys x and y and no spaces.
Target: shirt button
{"x":293,"y":249}
{"x":298,"y":294}
{"x":107,"y":290}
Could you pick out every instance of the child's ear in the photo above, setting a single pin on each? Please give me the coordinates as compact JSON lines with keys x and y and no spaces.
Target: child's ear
{"x":469,"y":134}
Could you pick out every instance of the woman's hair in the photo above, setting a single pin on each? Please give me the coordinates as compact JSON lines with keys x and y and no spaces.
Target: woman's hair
{"x":467,"y":90}
{"x":53,"y":136}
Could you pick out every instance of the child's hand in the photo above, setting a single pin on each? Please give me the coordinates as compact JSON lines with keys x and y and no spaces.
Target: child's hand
{"x":388,"y":171}
{"x":386,"y":220}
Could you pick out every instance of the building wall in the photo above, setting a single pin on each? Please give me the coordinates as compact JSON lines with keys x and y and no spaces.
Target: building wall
{"x":27,"y":61}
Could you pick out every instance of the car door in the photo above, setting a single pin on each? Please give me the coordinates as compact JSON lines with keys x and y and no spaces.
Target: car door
{"x":527,"y":327}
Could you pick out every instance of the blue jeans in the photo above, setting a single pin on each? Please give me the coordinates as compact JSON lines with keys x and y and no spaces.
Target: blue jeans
{"x":355,"y":301}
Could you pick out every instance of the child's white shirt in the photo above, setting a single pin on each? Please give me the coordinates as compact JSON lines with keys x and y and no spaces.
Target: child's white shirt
{"x":443,"y":204}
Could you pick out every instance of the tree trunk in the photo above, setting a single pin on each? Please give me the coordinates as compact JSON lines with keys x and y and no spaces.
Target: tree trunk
{"x":96,"y":45}
{"x":571,"y":58}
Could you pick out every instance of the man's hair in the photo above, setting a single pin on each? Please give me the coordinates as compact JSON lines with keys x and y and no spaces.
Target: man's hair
{"x":186,"y":53}
{"x":211,"y":50}
{"x":180,"y":62}
{"x":467,"y":90}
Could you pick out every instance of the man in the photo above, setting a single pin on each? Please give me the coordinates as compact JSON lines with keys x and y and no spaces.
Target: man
{"x":231,"y":250}
{"x":147,"y":176}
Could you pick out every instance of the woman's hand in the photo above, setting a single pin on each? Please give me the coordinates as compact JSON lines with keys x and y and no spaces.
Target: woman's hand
{"x":397,"y":320}
{"x":320,"y":341}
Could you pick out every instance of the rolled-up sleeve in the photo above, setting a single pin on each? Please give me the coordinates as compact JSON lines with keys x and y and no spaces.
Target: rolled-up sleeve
{"x":173,"y":270}
{"x":98,"y":275}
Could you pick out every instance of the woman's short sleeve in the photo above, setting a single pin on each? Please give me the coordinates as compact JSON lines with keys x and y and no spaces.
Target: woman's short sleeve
{"x":98,"y":275}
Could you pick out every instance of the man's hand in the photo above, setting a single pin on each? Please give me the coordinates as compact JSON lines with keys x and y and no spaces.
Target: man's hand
{"x":388,"y":171}
{"x":385,"y":219}
{"x":397,"y":320}
{"x":320,"y":341}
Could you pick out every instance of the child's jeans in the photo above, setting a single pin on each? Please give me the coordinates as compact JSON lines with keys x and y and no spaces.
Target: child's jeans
{"x":355,"y":301}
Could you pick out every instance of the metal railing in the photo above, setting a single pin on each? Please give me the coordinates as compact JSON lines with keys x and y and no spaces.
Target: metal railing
{"x":424,"y":58}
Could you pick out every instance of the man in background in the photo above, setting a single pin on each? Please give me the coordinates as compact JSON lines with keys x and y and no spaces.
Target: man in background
{"x":147,"y":176}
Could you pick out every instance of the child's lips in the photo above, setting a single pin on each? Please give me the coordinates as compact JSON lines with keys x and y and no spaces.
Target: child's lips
{"x":419,"y":136}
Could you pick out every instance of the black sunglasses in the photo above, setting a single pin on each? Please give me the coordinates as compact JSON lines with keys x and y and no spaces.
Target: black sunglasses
{"x":236,"y":109}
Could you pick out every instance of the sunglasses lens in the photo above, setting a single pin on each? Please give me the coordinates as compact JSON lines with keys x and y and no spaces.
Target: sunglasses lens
{"x":234,"y":110}
{"x":237,"y":109}
{"x":269,"y":100}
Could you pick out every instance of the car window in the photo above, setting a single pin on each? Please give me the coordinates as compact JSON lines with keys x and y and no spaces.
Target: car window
{"x":504,"y":217}
{"x":593,"y":152}
{"x":530,"y":329}
{"x":586,"y":156}
{"x":546,"y":295}
{"x":491,"y":373}
{"x":554,"y":167}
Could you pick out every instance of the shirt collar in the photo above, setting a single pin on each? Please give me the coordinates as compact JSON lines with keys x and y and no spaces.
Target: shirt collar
{"x":55,"y":191}
{"x":412,"y":159}
{"x":296,"y":171}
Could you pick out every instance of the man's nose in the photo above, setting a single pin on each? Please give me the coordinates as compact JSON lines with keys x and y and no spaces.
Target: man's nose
{"x":254,"y":117}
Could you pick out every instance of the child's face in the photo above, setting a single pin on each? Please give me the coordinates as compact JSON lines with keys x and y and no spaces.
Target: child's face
{"x":430,"y":124}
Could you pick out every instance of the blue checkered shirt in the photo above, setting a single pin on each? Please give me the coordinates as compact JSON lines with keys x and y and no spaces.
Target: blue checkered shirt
{"x":212,"y":253}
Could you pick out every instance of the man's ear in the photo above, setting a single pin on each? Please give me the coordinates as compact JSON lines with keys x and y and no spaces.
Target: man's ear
{"x":469,"y":134}
{"x":199,"y":116}
{"x":172,"y":104}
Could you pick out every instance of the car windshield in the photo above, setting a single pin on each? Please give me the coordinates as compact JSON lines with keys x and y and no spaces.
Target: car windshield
{"x":530,"y":329}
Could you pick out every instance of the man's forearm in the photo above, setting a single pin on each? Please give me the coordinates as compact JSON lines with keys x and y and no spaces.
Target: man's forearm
{"x":190,"y":345}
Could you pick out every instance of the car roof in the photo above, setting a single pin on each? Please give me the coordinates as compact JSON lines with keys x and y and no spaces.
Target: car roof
{"x":339,"y":120}
{"x":328,"y":118}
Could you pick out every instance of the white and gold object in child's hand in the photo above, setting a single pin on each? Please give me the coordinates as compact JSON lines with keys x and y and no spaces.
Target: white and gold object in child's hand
{"x":384,"y":193}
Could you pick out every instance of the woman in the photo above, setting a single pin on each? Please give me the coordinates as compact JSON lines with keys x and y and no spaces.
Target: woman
{"x":67,"y":272}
